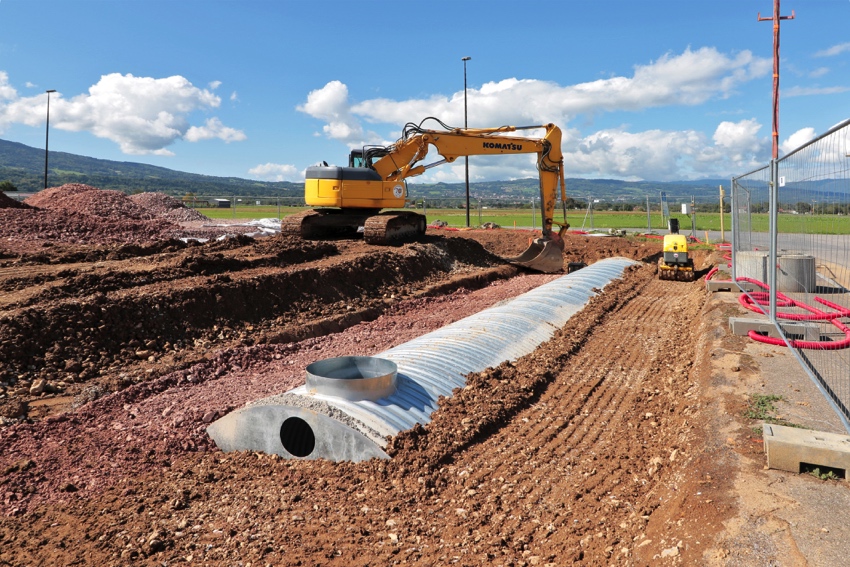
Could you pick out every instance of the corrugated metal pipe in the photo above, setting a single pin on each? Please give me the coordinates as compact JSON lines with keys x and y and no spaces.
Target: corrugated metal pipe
{"x":349,"y":406}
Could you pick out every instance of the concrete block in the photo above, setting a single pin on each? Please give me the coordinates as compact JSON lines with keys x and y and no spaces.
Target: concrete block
{"x":751,"y":264}
{"x":788,"y":448}
{"x":795,"y":329}
{"x":796,"y":273}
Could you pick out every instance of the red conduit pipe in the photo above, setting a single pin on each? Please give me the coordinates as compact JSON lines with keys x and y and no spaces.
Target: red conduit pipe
{"x":814,"y":345}
{"x":785,"y":301}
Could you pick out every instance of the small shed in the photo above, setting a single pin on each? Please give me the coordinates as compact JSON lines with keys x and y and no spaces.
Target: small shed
{"x":222,"y":203}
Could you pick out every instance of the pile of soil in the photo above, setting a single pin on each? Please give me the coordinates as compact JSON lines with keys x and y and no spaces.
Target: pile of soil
{"x":166,"y":207}
{"x":75,"y":198}
{"x":114,"y":359}
{"x":7,"y":202}
{"x":78,"y":215}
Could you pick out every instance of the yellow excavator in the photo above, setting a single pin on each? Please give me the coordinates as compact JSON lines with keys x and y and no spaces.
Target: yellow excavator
{"x":351,"y":198}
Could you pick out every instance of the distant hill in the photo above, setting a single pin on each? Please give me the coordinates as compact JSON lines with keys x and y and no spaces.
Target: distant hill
{"x":24,"y":167}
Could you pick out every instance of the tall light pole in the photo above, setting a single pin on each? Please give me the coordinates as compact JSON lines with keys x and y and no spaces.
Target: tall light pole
{"x":465,"y":126}
{"x":47,"y":136}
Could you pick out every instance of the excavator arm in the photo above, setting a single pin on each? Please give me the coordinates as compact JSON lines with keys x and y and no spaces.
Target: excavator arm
{"x":402,"y":160}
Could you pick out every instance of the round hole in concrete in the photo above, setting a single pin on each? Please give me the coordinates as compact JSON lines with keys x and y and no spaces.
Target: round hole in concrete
{"x":297,"y":437}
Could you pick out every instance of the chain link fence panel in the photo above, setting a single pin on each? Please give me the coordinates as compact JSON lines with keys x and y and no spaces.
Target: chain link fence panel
{"x":805,"y":288}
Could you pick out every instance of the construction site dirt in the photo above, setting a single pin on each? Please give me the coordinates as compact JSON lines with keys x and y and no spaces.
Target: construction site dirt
{"x":600,"y":447}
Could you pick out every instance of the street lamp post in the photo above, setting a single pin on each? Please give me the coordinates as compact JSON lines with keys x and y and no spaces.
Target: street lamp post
{"x":47,"y":136}
{"x":465,"y":126}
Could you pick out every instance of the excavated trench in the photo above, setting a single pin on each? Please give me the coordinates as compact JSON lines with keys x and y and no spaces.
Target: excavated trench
{"x":351,"y":405}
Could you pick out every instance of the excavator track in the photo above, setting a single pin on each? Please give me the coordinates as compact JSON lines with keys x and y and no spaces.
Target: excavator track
{"x":382,"y":229}
{"x":293,"y":225}
{"x":315,"y":224}
{"x":395,"y":226}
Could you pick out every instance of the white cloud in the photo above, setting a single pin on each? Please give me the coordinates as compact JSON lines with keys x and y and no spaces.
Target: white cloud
{"x":797,"y":139}
{"x":664,"y":155}
{"x":330,"y":104}
{"x":7,"y":91}
{"x":214,"y":129}
{"x":819,"y":72}
{"x":740,"y":138}
{"x":690,"y":78}
{"x":660,"y":155}
{"x":143,"y":115}
{"x":276,"y":172}
{"x":834,"y":50}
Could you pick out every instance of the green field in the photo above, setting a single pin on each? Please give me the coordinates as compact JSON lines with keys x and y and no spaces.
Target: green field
{"x":579,"y":220}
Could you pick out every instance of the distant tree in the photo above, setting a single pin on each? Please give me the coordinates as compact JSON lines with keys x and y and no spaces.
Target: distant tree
{"x":7,"y":186}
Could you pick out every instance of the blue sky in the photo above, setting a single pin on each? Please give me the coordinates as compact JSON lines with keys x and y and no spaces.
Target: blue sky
{"x":262,"y":89}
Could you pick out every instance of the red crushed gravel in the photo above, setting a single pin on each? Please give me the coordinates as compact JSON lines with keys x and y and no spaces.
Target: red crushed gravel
{"x":114,"y":363}
{"x":7,"y":202}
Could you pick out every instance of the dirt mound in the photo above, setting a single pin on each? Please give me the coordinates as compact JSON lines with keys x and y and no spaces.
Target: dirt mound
{"x":7,"y":202}
{"x":42,"y":199}
{"x":507,"y":243}
{"x":167,"y":207}
{"x":83,"y":199}
{"x":33,"y":229}
{"x":75,"y":214}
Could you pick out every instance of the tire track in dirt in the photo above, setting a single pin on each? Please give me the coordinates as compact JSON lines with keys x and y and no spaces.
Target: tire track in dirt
{"x":588,"y":436}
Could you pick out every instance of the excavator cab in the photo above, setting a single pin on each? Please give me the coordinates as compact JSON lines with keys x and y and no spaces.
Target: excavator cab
{"x":355,"y":159}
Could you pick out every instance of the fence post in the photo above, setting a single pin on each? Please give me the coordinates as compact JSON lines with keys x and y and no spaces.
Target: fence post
{"x":773,"y":235}
{"x":734,"y":210}
{"x":533,"y":217}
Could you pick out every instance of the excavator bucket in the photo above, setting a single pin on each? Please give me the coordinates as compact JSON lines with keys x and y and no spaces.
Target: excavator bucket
{"x":542,"y":255}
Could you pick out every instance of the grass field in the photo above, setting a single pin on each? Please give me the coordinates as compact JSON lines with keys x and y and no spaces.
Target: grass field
{"x":579,"y":220}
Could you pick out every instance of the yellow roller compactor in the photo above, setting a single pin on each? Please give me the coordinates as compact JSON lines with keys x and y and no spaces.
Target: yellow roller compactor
{"x":350,"y":199}
{"x":675,"y":264}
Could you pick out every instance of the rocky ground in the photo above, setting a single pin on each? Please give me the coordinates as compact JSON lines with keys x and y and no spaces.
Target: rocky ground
{"x":120,"y":344}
